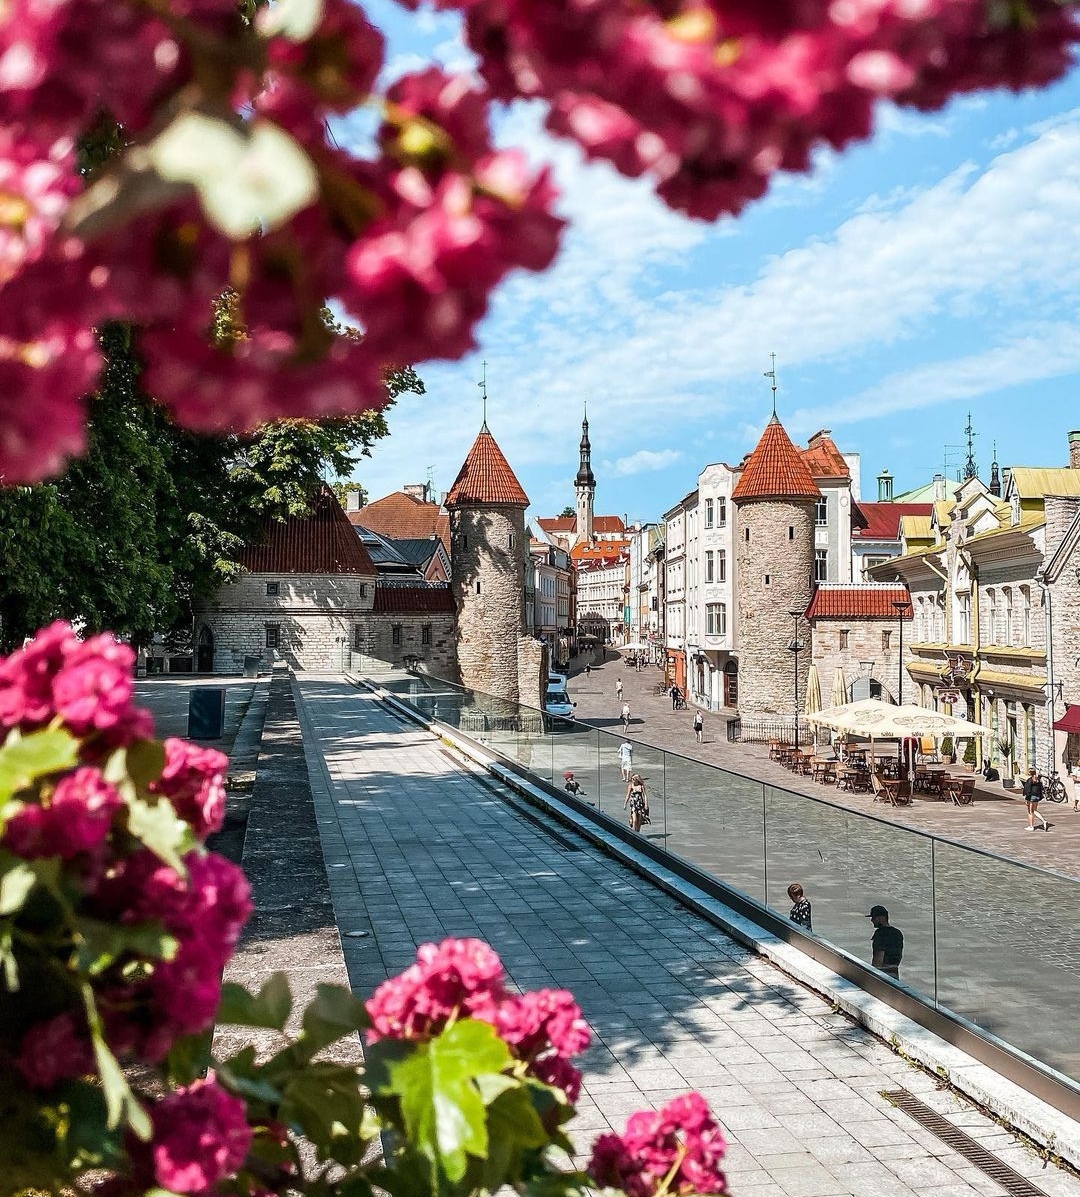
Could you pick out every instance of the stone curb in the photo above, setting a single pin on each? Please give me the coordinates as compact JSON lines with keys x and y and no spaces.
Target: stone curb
{"x":1004,"y":1099}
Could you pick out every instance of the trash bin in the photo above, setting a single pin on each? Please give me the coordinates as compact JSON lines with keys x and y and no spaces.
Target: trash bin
{"x":251,"y":666}
{"x":206,"y":713}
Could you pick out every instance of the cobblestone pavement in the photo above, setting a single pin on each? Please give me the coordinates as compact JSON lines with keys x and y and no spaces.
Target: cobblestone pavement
{"x":418,"y":847}
{"x":995,"y":823}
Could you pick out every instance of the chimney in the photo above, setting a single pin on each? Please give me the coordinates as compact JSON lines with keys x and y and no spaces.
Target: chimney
{"x":939,"y":487}
{"x":416,"y":490}
{"x":818,"y":437}
{"x":884,"y":487}
{"x":1074,"y":450}
{"x":352,"y":499}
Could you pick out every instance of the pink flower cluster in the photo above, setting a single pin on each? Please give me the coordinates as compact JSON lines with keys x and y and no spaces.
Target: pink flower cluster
{"x":193,"y":780}
{"x":711,"y":97}
{"x":86,"y":684}
{"x":201,"y":1136}
{"x":708,"y":97}
{"x":75,"y":815}
{"x":677,"y":1149}
{"x":463,"y":978}
{"x":205,"y":912}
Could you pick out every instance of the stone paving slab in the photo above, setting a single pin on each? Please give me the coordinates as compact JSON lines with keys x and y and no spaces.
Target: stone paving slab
{"x":417,"y":847}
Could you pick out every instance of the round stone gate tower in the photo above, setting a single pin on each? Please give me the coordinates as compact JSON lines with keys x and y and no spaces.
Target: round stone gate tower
{"x":488,"y":548}
{"x":775,"y":500}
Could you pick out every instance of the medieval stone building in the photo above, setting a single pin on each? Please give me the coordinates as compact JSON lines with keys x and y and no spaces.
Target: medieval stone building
{"x":774,"y":500}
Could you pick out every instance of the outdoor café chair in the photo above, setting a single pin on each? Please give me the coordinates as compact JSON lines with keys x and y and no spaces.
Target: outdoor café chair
{"x":897,"y":792}
{"x":962,"y":791}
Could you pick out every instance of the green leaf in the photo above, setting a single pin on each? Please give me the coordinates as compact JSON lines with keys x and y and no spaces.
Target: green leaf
{"x":8,"y":963}
{"x":241,"y":1073}
{"x":145,"y":761}
{"x":101,"y":944}
{"x":326,"y":1102}
{"x":189,"y":1057}
{"x":17,"y":879}
{"x":335,"y":1013}
{"x":270,"y":1007}
{"x":121,"y":1106}
{"x":514,"y":1131}
{"x":437,"y":1084}
{"x":157,"y":826}
{"x":24,"y":760}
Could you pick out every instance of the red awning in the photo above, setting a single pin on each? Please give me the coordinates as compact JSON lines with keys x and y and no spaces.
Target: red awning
{"x":1070,"y":721}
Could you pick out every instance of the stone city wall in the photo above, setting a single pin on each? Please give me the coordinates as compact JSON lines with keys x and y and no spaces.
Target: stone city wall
{"x":376,"y":647}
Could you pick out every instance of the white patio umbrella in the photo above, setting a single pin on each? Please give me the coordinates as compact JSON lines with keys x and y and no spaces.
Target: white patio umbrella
{"x":839,"y":688}
{"x":813,"y":697}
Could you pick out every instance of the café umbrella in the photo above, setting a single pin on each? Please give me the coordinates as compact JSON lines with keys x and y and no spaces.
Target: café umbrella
{"x":813,"y":696}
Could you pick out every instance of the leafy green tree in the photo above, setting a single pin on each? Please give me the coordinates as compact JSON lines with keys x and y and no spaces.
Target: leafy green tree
{"x":567,"y":511}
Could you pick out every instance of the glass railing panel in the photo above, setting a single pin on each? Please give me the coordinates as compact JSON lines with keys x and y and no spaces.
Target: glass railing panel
{"x":612,"y":788}
{"x":715,"y":820}
{"x":1008,"y":951}
{"x":648,"y":764}
{"x":574,"y":750}
{"x":846,"y":863}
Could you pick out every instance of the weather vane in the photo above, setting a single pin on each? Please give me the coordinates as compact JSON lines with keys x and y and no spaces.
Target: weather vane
{"x":482,"y":384}
{"x":772,"y":374}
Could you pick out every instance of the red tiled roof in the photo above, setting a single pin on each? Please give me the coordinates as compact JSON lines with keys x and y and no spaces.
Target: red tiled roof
{"x":605,"y":551}
{"x":858,"y":602}
{"x":322,"y":542}
{"x":403,"y":517}
{"x":608,"y":523}
{"x":417,"y":598}
{"x":823,"y":458}
{"x":881,"y":521}
{"x":775,"y":470}
{"x":486,"y":477}
{"x":559,"y":523}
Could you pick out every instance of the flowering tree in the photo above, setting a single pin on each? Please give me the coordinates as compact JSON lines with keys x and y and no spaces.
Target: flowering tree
{"x":115,"y":924}
{"x":226,"y":177}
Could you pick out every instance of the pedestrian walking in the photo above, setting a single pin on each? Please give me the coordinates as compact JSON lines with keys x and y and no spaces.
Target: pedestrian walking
{"x":887,"y":944}
{"x":588,"y":669}
{"x":801,"y":911}
{"x":676,"y":694}
{"x":1033,"y":792}
{"x":625,"y":716}
{"x":637,"y":799}
{"x":1074,"y":775}
{"x":699,"y":726}
{"x":618,"y":687}
{"x":626,"y":759}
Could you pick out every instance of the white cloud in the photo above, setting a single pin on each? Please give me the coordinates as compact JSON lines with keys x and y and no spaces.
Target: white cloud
{"x":646,"y":460}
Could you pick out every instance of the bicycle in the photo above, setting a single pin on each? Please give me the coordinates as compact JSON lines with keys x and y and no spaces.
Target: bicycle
{"x":1053,"y":788}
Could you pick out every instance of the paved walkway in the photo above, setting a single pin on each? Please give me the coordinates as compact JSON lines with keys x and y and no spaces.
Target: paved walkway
{"x":996,"y":822}
{"x":418,"y":847}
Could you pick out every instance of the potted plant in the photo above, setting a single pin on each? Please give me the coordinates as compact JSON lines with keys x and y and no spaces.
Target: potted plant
{"x":947,"y":757}
{"x":1005,"y":748}
{"x":969,"y":756}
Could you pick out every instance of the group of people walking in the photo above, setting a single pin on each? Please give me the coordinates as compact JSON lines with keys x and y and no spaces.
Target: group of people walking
{"x":886,"y":944}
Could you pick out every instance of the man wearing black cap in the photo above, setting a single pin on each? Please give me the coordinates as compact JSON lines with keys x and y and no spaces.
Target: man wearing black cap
{"x":887,"y":944}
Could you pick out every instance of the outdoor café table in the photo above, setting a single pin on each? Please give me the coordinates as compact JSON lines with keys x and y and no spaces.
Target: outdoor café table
{"x":853,"y":778}
{"x":823,"y":769}
{"x":929,"y":778}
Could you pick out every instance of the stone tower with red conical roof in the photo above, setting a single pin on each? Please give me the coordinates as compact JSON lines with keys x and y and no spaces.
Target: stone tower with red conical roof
{"x":488,"y":548}
{"x":775,"y":500}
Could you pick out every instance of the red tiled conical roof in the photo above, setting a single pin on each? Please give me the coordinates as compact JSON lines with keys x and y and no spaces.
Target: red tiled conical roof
{"x":486,"y":477}
{"x":775,"y":470}
{"x":320,"y":542}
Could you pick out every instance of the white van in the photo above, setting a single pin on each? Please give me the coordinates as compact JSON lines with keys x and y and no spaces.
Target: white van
{"x":557,"y":702}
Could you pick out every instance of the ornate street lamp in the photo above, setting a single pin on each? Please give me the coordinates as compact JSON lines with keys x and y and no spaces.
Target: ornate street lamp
{"x":795,"y":647}
{"x":901,"y":605}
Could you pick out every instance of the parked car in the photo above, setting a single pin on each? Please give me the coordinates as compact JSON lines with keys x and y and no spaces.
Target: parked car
{"x":557,"y":706}
{"x":556,"y":681}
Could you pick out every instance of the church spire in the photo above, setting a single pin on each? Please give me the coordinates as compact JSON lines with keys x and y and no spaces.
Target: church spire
{"x":584,"y":488}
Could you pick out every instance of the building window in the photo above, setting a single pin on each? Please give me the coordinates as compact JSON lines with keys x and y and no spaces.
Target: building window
{"x":511,"y":540}
{"x":821,"y":512}
{"x":991,"y":617}
{"x":363,"y":590}
{"x":425,"y":634}
{"x":358,"y":637}
{"x":715,"y":619}
{"x":790,"y":532}
{"x":844,"y":634}
{"x":721,"y":513}
{"x":1025,"y":617}
{"x":273,"y":635}
{"x":273,"y":589}
{"x":477,"y":587}
{"x":886,"y":640}
{"x":746,"y":535}
{"x":1008,"y":617}
{"x":710,"y":566}
{"x":767,"y":580}
{"x":395,"y":634}
{"x":963,"y":611}
{"x":821,"y":565}
{"x":721,"y":566}
{"x":708,"y":513}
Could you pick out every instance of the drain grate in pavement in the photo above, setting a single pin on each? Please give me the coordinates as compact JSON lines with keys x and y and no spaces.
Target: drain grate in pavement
{"x":1010,"y":1180}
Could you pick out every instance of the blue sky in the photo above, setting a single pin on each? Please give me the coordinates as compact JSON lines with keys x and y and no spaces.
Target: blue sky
{"x":931,"y":272}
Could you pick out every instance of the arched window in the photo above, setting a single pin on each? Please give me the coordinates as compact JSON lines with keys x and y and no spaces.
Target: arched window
{"x":1025,"y":616}
{"x":1007,"y":594}
{"x":991,"y":617}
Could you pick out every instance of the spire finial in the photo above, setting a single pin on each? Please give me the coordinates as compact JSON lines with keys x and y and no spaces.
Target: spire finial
{"x":772,"y":374}
{"x":482,"y":384}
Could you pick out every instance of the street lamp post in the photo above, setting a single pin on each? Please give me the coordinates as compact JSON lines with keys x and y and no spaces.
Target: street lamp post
{"x":901,"y":605}
{"x":794,"y":648}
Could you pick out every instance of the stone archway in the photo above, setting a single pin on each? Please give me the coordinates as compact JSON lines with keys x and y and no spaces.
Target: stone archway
{"x":204,"y":651}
